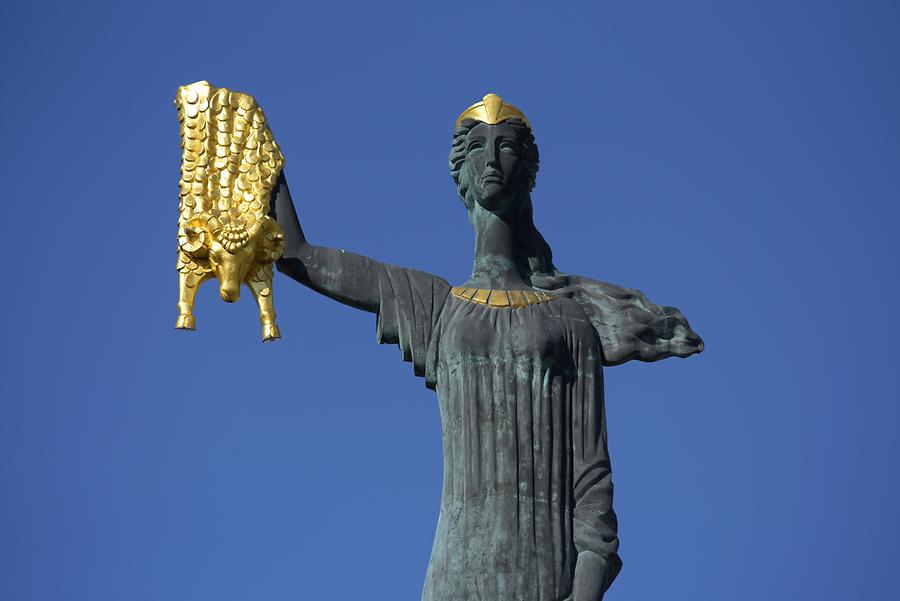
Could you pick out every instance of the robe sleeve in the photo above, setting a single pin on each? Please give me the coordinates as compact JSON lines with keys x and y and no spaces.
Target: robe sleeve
{"x":632,"y":327}
{"x":409,"y":305}
{"x":594,"y":522}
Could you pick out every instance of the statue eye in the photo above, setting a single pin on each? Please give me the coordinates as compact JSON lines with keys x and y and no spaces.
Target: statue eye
{"x":508,"y":147}
{"x":477,"y":145}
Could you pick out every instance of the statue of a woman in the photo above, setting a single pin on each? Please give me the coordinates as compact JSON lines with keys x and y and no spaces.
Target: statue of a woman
{"x":515,"y":355}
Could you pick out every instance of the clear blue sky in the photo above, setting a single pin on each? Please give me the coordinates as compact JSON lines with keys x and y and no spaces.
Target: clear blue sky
{"x":740,"y":160}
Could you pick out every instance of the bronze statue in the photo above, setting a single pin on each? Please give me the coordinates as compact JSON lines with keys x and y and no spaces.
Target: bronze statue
{"x":515,"y":355}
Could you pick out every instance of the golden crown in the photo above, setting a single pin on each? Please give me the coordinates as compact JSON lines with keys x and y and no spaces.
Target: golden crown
{"x":492,"y":110}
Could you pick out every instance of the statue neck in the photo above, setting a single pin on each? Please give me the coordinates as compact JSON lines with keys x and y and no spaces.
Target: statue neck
{"x":496,"y":263}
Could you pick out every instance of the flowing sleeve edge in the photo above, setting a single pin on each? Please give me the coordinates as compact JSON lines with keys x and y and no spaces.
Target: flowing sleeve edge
{"x":406,"y":298}
{"x":630,"y":326}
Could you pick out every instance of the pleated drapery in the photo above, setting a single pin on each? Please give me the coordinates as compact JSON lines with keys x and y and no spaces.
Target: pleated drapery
{"x":527,"y":480}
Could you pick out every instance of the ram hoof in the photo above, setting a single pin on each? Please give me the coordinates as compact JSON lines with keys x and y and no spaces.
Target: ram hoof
{"x":270,"y":332}
{"x":185,"y":322}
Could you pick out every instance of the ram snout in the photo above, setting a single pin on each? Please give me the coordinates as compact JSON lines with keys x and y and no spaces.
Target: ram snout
{"x":231,"y":256}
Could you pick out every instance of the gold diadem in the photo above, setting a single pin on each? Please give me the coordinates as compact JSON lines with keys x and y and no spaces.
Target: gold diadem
{"x":492,"y":110}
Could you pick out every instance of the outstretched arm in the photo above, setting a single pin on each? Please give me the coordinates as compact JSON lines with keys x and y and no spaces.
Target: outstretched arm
{"x":407,"y":302}
{"x":346,"y":277}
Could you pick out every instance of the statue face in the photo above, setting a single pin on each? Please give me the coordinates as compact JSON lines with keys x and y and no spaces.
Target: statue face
{"x":493,"y":164}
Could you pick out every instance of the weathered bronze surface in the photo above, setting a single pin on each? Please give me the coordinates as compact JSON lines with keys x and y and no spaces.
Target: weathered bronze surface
{"x":229,"y":165}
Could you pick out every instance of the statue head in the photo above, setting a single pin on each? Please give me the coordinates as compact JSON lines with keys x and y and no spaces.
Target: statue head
{"x":494,"y":161}
{"x":495,"y":164}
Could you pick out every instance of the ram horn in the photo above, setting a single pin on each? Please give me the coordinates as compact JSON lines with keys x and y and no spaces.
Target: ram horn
{"x":193,"y":237}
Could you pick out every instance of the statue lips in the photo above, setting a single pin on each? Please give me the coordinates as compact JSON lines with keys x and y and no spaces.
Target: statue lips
{"x":491,"y":175}
{"x":492,"y":179}
{"x":494,"y":190}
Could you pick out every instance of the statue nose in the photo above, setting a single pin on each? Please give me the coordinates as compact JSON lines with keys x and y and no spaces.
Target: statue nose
{"x":229,"y":295}
{"x":493,"y":160}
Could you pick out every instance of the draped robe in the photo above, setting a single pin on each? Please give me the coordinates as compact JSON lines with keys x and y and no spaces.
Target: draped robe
{"x":527,"y":478}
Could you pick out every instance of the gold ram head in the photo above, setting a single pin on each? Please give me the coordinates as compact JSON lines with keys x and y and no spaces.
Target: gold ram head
{"x":233,"y":251}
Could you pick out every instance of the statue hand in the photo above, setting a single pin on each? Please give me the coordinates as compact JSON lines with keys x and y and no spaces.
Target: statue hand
{"x":589,"y":583}
{"x":282,"y":210}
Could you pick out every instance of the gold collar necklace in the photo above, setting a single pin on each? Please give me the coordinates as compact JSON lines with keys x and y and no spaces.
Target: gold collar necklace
{"x":501,"y":298}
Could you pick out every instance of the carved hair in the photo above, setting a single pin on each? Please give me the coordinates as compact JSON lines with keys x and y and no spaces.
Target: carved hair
{"x":534,"y":252}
